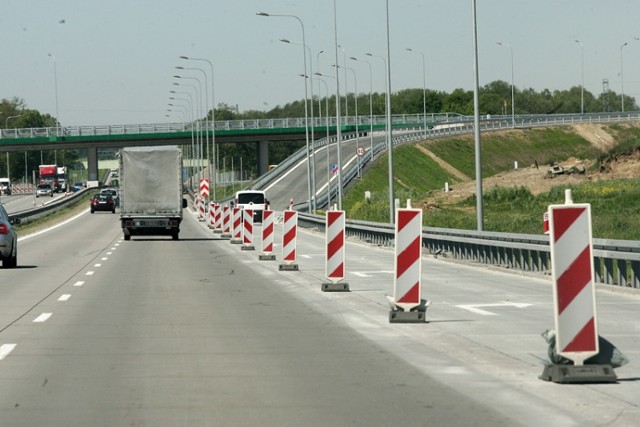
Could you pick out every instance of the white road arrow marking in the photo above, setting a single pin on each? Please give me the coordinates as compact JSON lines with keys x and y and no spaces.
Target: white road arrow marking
{"x":474,"y":308}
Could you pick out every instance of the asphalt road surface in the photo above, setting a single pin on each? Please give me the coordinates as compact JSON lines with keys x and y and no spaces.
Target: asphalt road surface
{"x":197,"y":332}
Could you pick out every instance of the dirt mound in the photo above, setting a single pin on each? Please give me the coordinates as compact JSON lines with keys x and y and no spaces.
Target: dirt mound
{"x":540,"y":179}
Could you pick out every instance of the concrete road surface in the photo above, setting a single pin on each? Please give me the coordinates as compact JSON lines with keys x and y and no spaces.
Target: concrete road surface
{"x":197,"y":332}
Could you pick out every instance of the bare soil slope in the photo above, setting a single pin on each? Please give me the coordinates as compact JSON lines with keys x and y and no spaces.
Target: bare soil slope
{"x":538,"y":180}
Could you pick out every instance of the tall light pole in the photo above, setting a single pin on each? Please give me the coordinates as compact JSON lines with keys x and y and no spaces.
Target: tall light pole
{"x":370,"y":104}
{"x":392,"y":211}
{"x":306,"y":109}
{"x":389,"y":139}
{"x":206,"y":116}
{"x":622,"y":77}
{"x":326,"y":103}
{"x":476,"y":121}
{"x":312,"y":141}
{"x":581,"y":75}
{"x":198,"y":91}
{"x":424,"y":89}
{"x":513,"y":105}
{"x":55,"y":86}
{"x":355,"y":85}
{"x":6,"y":125}
{"x":338,"y":130}
{"x":213,"y":122}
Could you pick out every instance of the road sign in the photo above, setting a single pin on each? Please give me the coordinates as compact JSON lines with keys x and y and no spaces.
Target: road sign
{"x":204,"y":188}
{"x":360,"y":151}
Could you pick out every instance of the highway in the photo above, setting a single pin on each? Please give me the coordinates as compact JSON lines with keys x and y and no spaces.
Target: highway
{"x":98,"y":331}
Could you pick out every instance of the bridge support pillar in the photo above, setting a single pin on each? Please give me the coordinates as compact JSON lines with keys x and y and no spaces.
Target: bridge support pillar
{"x":92,"y":163}
{"x":263,"y":157}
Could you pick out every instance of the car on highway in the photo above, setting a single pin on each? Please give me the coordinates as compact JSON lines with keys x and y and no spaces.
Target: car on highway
{"x":114,"y":194}
{"x":5,"y":186}
{"x":103,"y":202}
{"x":44,"y":190}
{"x":77,"y":186}
{"x":8,"y":240}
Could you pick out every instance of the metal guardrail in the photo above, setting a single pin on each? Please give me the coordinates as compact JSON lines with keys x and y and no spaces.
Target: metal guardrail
{"x":616,"y":262}
{"x":435,"y":120}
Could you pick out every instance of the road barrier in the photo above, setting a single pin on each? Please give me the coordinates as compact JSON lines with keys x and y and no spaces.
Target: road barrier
{"x":217,"y":218}
{"x":247,"y":230}
{"x":226,"y":222}
{"x":407,"y":304}
{"x":267,"y":236}
{"x":289,"y":236}
{"x":335,"y":252}
{"x":236,"y":225}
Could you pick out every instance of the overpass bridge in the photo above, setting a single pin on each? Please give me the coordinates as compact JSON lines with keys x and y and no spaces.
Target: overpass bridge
{"x":259,"y":131}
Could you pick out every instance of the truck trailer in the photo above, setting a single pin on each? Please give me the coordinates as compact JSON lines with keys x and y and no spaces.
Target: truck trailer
{"x":150,"y":185}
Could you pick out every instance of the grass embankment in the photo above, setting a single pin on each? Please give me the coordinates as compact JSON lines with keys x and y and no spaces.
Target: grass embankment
{"x":615,"y":204}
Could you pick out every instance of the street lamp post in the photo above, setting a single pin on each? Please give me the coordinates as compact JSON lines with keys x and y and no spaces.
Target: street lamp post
{"x":424,"y":89}
{"x":622,"y":77}
{"x":513,"y":105}
{"x":306,"y":109}
{"x":6,"y":125}
{"x":214,"y":152}
{"x":326,"y":103}
{"x":312,"y":142}
{"x":370,"y":104}
{"x":476,"y":122}
{"x":198,"y":91}
{"x":338,"y":130}
{"x":355,"y":85}
{"x":206,"y":116}
{"x":581,"y":75}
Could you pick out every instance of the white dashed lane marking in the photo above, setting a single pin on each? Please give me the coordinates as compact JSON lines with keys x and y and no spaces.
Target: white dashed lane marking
{"x":42,"y":318}
{"x":64,"y":297}
{"x":5,"y":349}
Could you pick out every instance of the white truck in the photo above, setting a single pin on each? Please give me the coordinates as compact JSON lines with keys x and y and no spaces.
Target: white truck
{"x":151,"y":200}
{"x":5,"y":186}
{"x":63,"y":181}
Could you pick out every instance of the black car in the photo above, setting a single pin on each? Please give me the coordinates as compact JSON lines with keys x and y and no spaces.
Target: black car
{"x":103,"y":202}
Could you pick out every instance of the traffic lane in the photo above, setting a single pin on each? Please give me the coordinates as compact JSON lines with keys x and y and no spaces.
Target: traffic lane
{"x":495,"y":358}
{"x":21,"y":202}
{"x":47,"y":260}
{"x":205,"y":338}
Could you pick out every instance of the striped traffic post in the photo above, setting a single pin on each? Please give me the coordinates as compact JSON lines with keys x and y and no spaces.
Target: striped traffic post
{"x":212,"y":209}
{"x":236,"y":225}
{"x":217,"y":219}
{"x":335,"y":252}
{"x":226,"y":222}
{"x":407,"y":304}
{"x":201,"y":209}
{"x":247,"y":230}
{"x":267,"y":236}
{"x":289,"y":236}
{"x":574,"y":297}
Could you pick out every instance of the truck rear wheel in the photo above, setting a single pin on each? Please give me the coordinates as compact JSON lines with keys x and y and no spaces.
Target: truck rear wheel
{"x":127,"y":237}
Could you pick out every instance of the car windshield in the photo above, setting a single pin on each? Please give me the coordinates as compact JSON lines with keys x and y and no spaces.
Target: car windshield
{"x":246,"y":198}
{"x":102,"y":196}
{"x":44,"y":186}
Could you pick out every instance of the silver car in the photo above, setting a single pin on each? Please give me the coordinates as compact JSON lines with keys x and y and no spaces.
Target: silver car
{"x":8,"y":240}
{"x":44,"y":190}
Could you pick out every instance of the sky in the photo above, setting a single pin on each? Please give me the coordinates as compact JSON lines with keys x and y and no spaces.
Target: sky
{"x":112,"y":62}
